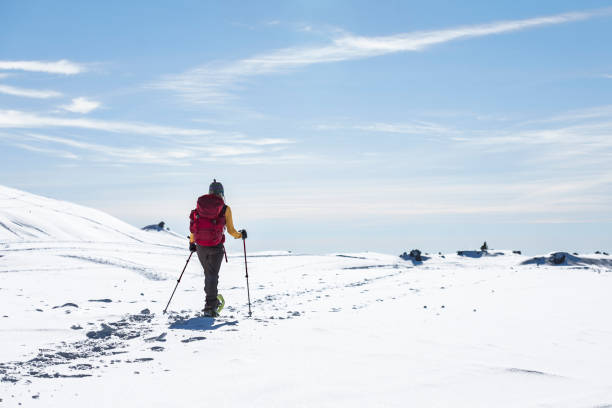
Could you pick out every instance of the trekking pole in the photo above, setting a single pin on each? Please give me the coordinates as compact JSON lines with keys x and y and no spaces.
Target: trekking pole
{"x":177,"y":283}
{"x":247,"y":274}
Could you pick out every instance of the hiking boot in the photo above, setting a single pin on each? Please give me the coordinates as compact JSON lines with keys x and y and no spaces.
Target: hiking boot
{"x":210,"y":313}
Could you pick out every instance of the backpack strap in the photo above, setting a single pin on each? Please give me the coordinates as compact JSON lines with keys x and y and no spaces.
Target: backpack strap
{"x":222,"y":213}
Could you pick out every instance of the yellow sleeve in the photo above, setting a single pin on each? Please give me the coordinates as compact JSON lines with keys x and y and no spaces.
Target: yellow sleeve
{"x":191,"y":239}
{"x":229,"y":223}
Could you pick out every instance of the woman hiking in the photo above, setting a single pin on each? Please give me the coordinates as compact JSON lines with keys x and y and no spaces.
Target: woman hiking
{"x":207,"y":224}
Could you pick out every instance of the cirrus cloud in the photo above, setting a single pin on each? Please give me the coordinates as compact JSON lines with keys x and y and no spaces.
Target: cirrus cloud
{"x":63,"y":67}
{"x":23,"y":120}
{"x":28,"y":93}
{"x":214,"y":83}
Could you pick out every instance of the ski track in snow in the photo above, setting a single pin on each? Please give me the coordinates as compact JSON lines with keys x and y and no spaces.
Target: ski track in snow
{"x":120,"y":263}
{"x":84,"y":357}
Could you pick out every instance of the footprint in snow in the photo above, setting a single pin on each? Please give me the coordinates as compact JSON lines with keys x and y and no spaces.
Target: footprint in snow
{"x":67,"y":305}
{"x":161,"y":337}
{"x":531,"y":372}
{"x":190,"y":339}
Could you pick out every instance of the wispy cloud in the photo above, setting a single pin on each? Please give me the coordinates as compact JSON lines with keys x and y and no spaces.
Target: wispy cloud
{"x":28,"y":93}
{"x":228,"y":150}
{"x":53,"y":152}
{"x":595,"y":135}
{"x":267,"y":141}
{"x":81,"y":105}
{"x":63,"y":67}
{"x":572,"y":142}
{"x":573,"y":116}
{"x":131,"y":155}
{"x":173,"y":146}
{"x":17,"y":119}
{"x":415,"y":127}
{"x":176,"y":154}
{"x":543,"y":199}
{"x":279,"y":160}
{"x":214,"y":83}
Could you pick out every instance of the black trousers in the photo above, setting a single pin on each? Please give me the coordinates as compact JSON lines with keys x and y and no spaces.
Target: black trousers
{"x":211,"y":259}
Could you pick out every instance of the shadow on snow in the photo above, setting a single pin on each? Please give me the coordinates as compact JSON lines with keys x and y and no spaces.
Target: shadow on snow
{"x":201,"y":324}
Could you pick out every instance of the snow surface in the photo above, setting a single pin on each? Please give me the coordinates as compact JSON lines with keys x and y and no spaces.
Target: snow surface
{"x":81,"y":324}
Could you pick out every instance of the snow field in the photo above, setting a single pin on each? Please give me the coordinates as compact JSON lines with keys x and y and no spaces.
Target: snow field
{"x":81,"y":325}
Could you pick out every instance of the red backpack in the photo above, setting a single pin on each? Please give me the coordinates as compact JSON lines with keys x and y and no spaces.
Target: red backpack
{"x":207,"y":221}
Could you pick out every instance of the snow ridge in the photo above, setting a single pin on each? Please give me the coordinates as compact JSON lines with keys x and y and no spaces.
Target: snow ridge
{"x":28,"y":217}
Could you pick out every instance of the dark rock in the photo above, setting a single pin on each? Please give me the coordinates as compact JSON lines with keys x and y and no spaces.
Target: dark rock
{"x":478,"y":254}
{"x":557,"y":258}
{"x":160,"y":226}
{"x":563,"y":258}
{"x":414,"y":256}
{"x":517,"y":252}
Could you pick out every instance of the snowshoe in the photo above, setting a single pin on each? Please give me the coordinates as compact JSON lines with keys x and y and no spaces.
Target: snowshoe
{"x":220,"y":303}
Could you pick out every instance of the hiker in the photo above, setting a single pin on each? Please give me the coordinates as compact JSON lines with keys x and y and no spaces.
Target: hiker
{"x":207,"y":225}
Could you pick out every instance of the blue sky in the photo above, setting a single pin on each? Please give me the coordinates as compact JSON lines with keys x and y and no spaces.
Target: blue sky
{"x":334,"y":126}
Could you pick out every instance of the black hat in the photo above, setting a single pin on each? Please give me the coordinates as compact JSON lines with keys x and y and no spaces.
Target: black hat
{"x":216,"y":188}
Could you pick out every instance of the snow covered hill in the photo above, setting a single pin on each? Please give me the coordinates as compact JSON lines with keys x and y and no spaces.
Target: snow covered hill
{"x":81,"y":298}
{"x":27,"y":217}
